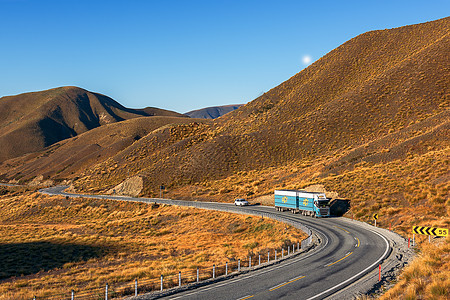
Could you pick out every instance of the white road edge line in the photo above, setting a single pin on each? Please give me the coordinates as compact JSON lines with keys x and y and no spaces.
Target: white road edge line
{"x":245,"y":297}
{"x":354,"y":276}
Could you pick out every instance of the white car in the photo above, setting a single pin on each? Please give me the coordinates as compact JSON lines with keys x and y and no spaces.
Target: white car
{"x":240,"y":202}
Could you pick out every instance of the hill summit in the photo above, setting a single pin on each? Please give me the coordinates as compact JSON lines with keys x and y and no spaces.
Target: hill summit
{"x":32,"y":121}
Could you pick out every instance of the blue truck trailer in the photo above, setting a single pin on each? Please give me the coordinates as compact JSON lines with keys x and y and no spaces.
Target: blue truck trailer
{"x":306,"y":203}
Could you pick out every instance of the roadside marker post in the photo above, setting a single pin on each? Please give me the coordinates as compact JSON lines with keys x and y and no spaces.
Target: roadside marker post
{"x":226,"y":268}
{"x":379,"y":272}
{"x":214,"y":271}
{"x":268,"y":256}
{"x":72,"y":295}
{"x":135,"y":287}
{"x":161,"y":282}
{"x":250,"y":262}
{"x":259,"y":259}
{"x":179,"y":278}
{"x":239,"y":265}
{"x":106,"y":292}
{"x":197,"y":274}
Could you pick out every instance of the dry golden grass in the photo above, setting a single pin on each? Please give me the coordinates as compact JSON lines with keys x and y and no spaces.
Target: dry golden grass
{"x":428,"y":276}
{"x":61,"y":244}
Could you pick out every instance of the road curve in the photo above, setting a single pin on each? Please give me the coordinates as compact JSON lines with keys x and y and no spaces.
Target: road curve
{"x":348,"y":251}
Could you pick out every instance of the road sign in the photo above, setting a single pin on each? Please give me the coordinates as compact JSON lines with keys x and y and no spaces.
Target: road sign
{"x":375,"y":216}
{"x":430,"y":231}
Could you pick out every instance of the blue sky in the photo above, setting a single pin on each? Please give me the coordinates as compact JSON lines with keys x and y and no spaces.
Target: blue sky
{"x":181,"y":55}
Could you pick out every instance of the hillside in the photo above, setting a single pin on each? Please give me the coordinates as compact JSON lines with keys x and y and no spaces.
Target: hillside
{"x":32,"y":121}
{"x":64,"y":159}
{"x":212,"y":112}
{"x":380,"y":97}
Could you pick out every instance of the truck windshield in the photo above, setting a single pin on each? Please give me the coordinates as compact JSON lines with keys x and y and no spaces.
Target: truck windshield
{"x":323,"y":203}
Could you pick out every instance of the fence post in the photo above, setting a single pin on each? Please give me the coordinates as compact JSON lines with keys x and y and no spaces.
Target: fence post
{"x":135,"y":287}
{"x":197,"y":275}
{"x":73,"y":295}
{"x":106,"y":292}
{"x":239,"y":265}
{"x":161,"y":282}
{"x":226,"y":268}
{"x":179,"y":278}
{"x":214,"y":271}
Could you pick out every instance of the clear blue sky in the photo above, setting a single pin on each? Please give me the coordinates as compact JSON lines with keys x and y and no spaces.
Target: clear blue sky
{"x":181,"y":55}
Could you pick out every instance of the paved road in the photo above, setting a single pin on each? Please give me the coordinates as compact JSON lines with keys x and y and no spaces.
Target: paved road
{"x":347,"y":251}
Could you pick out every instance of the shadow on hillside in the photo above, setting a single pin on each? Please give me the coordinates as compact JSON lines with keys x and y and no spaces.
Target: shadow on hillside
{"x":339,"y":207}
{"x":30,"y":258}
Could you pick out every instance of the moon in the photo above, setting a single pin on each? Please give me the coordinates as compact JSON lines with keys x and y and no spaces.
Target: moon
{"x":306,"y":59}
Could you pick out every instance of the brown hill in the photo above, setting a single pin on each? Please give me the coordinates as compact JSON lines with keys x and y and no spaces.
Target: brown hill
{"x":65,"y":159}
{"x":32,"y":121}
{"x":377,"y":98}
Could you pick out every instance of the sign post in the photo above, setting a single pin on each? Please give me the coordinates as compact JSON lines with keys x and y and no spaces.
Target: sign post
{"x":429,"y":231}
{"x":161,"y":188}
{"x":375,"y":217}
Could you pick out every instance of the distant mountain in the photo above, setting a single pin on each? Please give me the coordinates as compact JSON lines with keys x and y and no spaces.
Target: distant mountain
{"x":32,"y":121}
{"x":212,"y":112}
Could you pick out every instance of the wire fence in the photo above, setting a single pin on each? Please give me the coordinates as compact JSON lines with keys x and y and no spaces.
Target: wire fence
{"x":167,"y":281}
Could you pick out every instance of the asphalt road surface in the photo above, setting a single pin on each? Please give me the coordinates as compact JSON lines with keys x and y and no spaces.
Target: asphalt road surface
{"x":347,"y":251}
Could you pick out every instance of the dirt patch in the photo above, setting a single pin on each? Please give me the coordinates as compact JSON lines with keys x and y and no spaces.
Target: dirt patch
{"x":130,"y":187}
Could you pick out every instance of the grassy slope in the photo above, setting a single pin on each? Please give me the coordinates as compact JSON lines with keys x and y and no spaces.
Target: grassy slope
{"x":61,"y":244}
{"x":63,"y":159}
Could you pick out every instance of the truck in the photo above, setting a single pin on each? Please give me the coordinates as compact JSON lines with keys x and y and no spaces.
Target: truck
{"x":307,"y":203}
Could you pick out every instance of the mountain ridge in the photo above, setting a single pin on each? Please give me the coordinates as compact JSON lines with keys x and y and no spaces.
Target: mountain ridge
{"x":33,"y":121}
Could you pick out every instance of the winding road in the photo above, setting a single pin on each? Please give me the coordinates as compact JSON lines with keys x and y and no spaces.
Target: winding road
{"x":347,"y":252}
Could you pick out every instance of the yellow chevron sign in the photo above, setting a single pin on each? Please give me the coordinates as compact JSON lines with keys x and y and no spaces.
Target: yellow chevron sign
{"x":375,"y":216}
{"x":430,"y":231}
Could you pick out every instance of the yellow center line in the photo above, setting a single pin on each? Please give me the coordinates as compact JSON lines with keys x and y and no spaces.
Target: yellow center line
{"x":340,"y":259}
{"x":357,"y":246}
{"x":341,"y":229}
{"x":248,"y":297}
{"x":278,"y":286}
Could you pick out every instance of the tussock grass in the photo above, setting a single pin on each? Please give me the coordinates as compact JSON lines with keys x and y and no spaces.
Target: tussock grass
{"x":428,"y":276}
